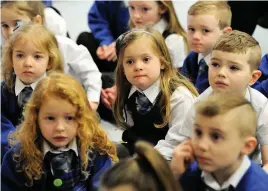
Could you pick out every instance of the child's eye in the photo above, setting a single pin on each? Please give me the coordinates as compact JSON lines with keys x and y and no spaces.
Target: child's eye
{"x":69,"y":118}
{"x":129,"y":61}
{"x":206,"y":31}
{"x":147,"y":59}
{"x":214,"y":64}
{"x":234,"y":68}
{"x":191,"y":29}
{"x":38,"y":57}
{"x":145,"y":9}
{"x":215,"y":136}
{"x":50,"y":118}
{"x":198,"y":132}
{"x":5,"y":26}
{"x":19,"y":55}
{"x":131,"y":8}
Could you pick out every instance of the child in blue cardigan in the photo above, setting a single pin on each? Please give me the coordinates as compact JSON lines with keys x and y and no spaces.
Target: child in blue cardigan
{"x":59,"y":145}
{"x":224,"y":134}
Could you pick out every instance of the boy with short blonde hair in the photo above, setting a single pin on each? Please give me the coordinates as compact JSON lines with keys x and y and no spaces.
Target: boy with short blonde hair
{"x":230,"y":73}
{"x":207,"y":21}
{"x":220,"y":145}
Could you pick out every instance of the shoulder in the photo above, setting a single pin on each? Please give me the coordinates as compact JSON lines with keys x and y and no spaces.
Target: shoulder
{"x":182,"y":93}
{"x":101,"y":160}
{"x":254,"y":174}
{"x":257,"y":99}
{"x":174,"y":38}
{"x":204,"y":94}
{"x":192,"y":55}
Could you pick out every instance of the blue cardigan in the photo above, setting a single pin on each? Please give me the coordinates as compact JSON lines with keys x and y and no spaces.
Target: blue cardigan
{"x":255,"y":179}
{"x":190,"y":70}
{"x":14,"y":180}
{"x":108,"y":20}
{"x":10,"y":115}
{"x":262,"y":83}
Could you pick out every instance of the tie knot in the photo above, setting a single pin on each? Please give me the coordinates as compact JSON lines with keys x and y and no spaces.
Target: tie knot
{"x":143,"y":103}
{"x":24,"y":96}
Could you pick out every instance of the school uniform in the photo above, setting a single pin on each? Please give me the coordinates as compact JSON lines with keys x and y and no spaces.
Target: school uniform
{"x":57,"y":175}
{"x":192,"y":70}
{"x":79,"y":63}
{"x":174,"y":42}
{"x":262,"y":83}
{"x":11,"y":110}
{"x":180,"y":132}
{"x":141,"y":126}
{"x":248,"y":177}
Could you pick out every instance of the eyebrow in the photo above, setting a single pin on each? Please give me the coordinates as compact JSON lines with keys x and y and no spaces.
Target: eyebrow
{"x":36,"y":52}
{"x":229,"y":61}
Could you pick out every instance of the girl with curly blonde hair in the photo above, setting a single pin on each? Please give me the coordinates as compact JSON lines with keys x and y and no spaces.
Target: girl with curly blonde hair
{"x":60,"y":144}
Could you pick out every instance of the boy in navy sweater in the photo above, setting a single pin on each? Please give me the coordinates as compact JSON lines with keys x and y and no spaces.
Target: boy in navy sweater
{"x":207,"y":21}
{"x":220,"y":144}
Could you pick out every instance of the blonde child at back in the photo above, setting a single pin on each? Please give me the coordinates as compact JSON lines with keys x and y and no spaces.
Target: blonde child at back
{"x":28,"y":56}
{"x":77,"y":60}
{"x":59,"y":145}
{"x":152,"y":96}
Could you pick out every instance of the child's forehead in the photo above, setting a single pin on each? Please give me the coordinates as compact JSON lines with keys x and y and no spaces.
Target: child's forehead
{"x":230,"y":57}
{"x":204,"y":18}
{"x":13,"y":13}
{"x":26,"y":40}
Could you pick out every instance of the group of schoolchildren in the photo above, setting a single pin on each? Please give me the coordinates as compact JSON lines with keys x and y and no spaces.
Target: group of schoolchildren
{"x":173,"y":139}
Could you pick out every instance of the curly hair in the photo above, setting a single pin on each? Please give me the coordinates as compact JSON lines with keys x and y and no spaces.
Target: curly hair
{"x":170,"y":78}
{"x":28,"y":135}
{"x":42,"y":38}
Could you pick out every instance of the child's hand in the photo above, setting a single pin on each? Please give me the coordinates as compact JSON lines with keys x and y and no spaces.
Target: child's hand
{"x":183,"y":156}
{"x":100,"y":52}
{"x":108,"y":96}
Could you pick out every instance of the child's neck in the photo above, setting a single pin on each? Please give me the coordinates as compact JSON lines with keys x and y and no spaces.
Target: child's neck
{"x":223,"y":174}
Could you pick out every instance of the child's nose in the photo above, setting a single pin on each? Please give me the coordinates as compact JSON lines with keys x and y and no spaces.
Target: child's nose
{"x":28,"y":62}
{"x":9,"y":32}
{"x":196,"y":35}
{"x":203,"y":144}
{"x":222,"y":72}
{"x":60,"y":126}
{"x":138,"y":66}
{"x":136,"y":14}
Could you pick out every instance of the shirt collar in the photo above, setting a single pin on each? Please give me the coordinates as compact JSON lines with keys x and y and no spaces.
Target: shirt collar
{"x":19,"y":85}
{"x":161,"y":25}
{"x":151,"y":93}
{"x":71,"y":146}
{"x":206,"y":58}
{"x":232,"y":181}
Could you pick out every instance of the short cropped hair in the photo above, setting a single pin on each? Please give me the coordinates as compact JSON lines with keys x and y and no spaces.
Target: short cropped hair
{"x":245,"y":119}
{"x":220,"y":9}
{"x":240,"y":43}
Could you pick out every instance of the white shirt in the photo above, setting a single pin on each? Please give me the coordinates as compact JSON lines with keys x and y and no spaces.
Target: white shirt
{"x":79,"y":63}
{"x":180,"y":132}
{"x":206,"y":58}
{"x":180,"y":102}
{"x":233,"y":180}
{"x":175,"y":44}
{"x":19,"y":85}
{"x":55,"y":22}
{"x":71,"y":146}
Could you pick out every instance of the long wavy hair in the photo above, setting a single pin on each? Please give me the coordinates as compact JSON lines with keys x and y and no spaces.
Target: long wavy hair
{"x":42,"y":38}
{"x":170,"y":78}
{"x":173,"y":22}
{"x":28,"y":134}
{"x":147,"y":171}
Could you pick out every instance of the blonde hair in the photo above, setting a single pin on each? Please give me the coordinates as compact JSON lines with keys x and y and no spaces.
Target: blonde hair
{"x":43,"y":40}
{"x":170,"y":77}
{"x":220,"y":104}
{"x":220,"y":9}
{"x":28,"y":135}
{"x":29,"y":8}
{"x":173,"y":22}
{"x":147,"y":171}
{"x":240,"y":43}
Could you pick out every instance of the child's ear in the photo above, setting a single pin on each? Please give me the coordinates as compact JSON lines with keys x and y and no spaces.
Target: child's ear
{"x":38,"y":19}
{"x":250,"y":145}
{"x":227,"y":29}
{"x":256,"y":74}
{"x":162,"y":67}
{"x":49,"y":66}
